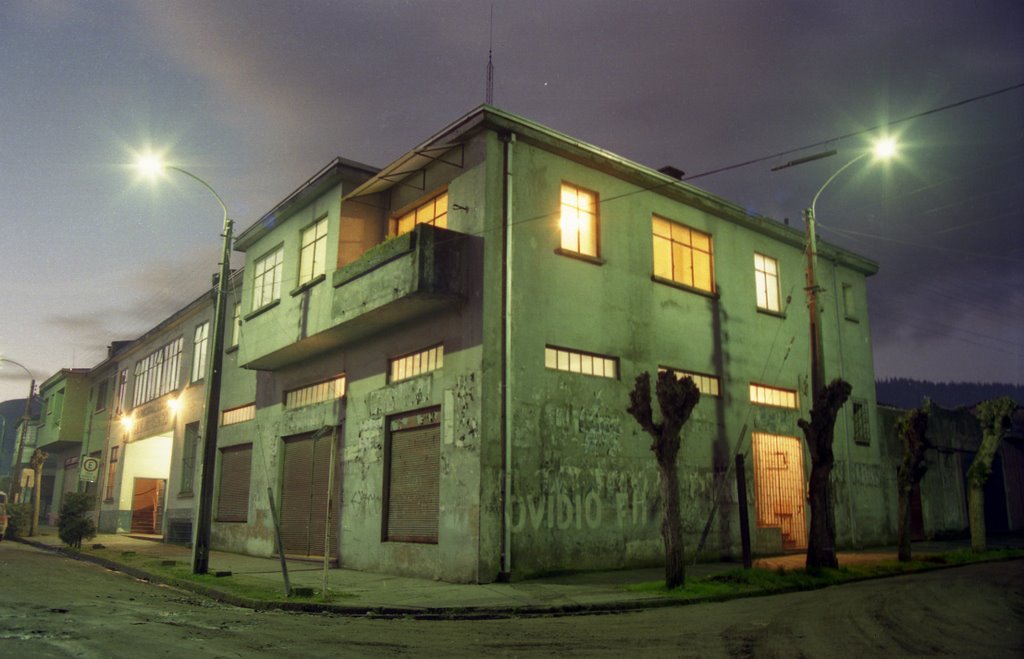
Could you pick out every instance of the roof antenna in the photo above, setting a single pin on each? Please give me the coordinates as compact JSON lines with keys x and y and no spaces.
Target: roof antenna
{"x":490,"y":64}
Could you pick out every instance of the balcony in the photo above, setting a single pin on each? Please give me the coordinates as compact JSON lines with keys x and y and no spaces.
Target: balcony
{"x":401,"y":279}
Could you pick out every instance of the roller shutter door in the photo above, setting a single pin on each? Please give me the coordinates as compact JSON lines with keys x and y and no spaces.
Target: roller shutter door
{"x":414,"y":450}
{"x":304,"y":496}
{"x":235,"y":469}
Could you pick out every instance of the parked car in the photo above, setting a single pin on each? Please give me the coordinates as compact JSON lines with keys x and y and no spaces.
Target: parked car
{"x":3,"y":514}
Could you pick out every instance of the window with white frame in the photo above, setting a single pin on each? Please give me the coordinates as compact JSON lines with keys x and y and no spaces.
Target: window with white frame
{"x":316,"y":393}
{"x":766,"y":278}
{"x":236,"y":324}
{"x":578,"y":220}
{"x":266,"y":280}
{"x":434,"y":212}
{"x":200,"y":346}
{"x":761,"y":394}
{"x":585,"y":363}
{"x":707,"y":385}
{"x":682,"y":255}
{"x":313,"y":251}
{"x":157,"y":373}
{"x":417,"y":363}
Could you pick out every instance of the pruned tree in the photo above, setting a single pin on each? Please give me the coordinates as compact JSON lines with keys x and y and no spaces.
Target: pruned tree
{"x":994,"y":417}
{"x":912,"y":429}
{"x":676,"y":399}
{"x":819,"y":433}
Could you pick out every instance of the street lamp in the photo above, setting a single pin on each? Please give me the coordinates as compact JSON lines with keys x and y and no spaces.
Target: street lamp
{"x":883,"y":149}
{"x":152,"y":165}
{"x":15,"y":480}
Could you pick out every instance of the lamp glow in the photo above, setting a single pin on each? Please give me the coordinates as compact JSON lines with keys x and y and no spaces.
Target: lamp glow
{"x":150,"y":164}
{"x":174,"y":405}
{"x":127,"y":422}
{"x":885,"y":148}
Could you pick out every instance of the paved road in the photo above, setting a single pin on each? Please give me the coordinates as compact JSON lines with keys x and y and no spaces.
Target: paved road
{"x":51,"y":606}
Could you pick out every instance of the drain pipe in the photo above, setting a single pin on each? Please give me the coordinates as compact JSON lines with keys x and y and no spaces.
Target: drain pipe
{"x":508,"y":138}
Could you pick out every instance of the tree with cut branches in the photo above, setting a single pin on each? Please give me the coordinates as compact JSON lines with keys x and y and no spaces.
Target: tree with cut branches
{"x":819,"y":433}
{"x":994,"y":417}
{"x":676,"y":399}
{"x":912,"y":429}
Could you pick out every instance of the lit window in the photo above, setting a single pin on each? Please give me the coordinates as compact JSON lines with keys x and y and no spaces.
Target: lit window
{"x":157,"y":373}
{"x":766,"y":277}
{"x":587,"y":363}
{"x":266,"y":281}
{"x":316,"y":393}
{"x":418,"y":363}
{"x":682,"y":255}
{"x":200,"y":342}
{"x":108,"y":495}
{"x":433,"y":212}
{"x":578,"y":220}
{"x":861,"y":422}
{"x":239,"y":414}
{"x":313,"y":253}
{"x":706,"y":384}
{"x":773,"y":396}
{"x":236,"y":324}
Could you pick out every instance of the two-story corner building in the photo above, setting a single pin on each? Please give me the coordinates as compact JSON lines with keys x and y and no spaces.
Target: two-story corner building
{"x":60,"y":433}
{"x":156,"y":396}
{"x":445,"y":349}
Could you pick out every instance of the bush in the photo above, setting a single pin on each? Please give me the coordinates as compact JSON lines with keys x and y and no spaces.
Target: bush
{"x":75,"y":523}
{"x":19,"y":517}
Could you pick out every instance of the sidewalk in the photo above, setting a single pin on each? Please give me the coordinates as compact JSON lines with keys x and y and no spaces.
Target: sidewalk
{"x":367,"y":593}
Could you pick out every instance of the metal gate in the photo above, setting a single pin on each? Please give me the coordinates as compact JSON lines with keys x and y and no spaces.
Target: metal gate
{"x":779,"y":487}
{"x":413,"y":465}
{"x":304,"y":495}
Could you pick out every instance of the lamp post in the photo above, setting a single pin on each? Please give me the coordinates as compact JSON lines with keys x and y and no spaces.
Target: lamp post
{"x":883,"y":149}
{"x":204,"y":512}
{"x":15,"y":480}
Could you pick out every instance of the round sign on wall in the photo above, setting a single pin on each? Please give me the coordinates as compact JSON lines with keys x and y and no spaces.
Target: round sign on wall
{"x":89,"y":469}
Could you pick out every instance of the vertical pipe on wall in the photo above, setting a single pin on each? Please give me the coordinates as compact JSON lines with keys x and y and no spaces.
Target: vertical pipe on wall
{"x":507,"y":139}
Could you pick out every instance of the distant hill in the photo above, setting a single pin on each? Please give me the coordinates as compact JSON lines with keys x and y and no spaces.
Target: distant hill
{"x":907,"y":393}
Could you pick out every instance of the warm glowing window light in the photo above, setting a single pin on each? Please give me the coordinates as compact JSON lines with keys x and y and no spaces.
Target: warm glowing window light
{"x":586,"y":363}
{"x":434,"y":212}
{"x":418,"y":363}
{"x":578,"y":220}
{"x":707,"y":385}
{"x":773,"y":396}
{"x":239,"y":414}
{"x":316,"y":393}
{"x":682,"y":255}
{"x":766,"y":277}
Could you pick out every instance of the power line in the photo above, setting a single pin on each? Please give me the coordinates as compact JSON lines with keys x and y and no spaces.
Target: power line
{"x":864,"y":131}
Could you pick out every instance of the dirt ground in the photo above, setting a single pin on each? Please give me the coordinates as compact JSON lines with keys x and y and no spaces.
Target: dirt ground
{"x":51,"y":606}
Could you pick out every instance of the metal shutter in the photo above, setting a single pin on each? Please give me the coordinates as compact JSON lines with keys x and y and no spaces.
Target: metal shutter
{"x":235,"y":467}
{"x":304,"y":496}
{"x":413,"y":490}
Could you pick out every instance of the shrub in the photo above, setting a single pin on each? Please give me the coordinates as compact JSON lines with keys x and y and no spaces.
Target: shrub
{"x":19,"y":517}
{"x":75,"y":525}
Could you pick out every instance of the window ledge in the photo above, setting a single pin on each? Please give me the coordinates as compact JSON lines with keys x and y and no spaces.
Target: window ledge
{"x":769,"y":312}
{"x":308,"y":285}
{"x":266,"y":307}
{"x":186,"y":495}
{"x":853,"y":319}
{"x":683,"y":287}
{"x":231,"y":349}
{"x":580,"y":257}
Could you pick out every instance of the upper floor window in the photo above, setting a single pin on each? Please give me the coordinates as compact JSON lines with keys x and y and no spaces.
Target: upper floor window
{"x":861,"y":422}
{"x":773,"y":396}
{"x":236,"y":324}
{"x":313,"y":252}
{"x":849,"y":302}
{"x":200,"y":343}
{"x":101,"y":396}
{"x":239,"y":414}
{"x":683,"y":255}
{"x":157,"y":373}
{"x":418,"y":363}
{"x":707,"y":385}
{"x":433,"y":212}
{"x":266,"y":280}
{"x":578,"y":221}
{"x":575,"y":361}
{"x":316,"y":393}
{"x":122,"y":389}
{"x":766,"y":277}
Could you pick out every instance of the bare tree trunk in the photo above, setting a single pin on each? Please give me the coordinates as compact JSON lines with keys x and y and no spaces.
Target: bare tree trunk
{"x":903,"y":524}
{"x":821,"y":545}
{"x":976,"y":515}
{"x":671,"y":527}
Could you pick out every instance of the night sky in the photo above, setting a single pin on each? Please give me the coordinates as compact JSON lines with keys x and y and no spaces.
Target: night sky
{"x":256,"y":96}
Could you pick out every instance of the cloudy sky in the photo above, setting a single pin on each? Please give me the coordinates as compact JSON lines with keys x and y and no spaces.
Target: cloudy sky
{"x":255,"y":96}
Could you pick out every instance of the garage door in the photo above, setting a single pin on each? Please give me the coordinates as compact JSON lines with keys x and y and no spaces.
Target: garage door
{"x":304,"y":494}
{"x":413,"y":454}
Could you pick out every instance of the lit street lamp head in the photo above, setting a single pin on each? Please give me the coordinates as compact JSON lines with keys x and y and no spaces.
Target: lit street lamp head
{"x":885,"y":148}
{"x":150,"y":164}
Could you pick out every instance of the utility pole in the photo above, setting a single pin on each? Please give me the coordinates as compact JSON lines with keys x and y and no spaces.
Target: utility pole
{"x":817,"y":349}
{"x":26,"y":417}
